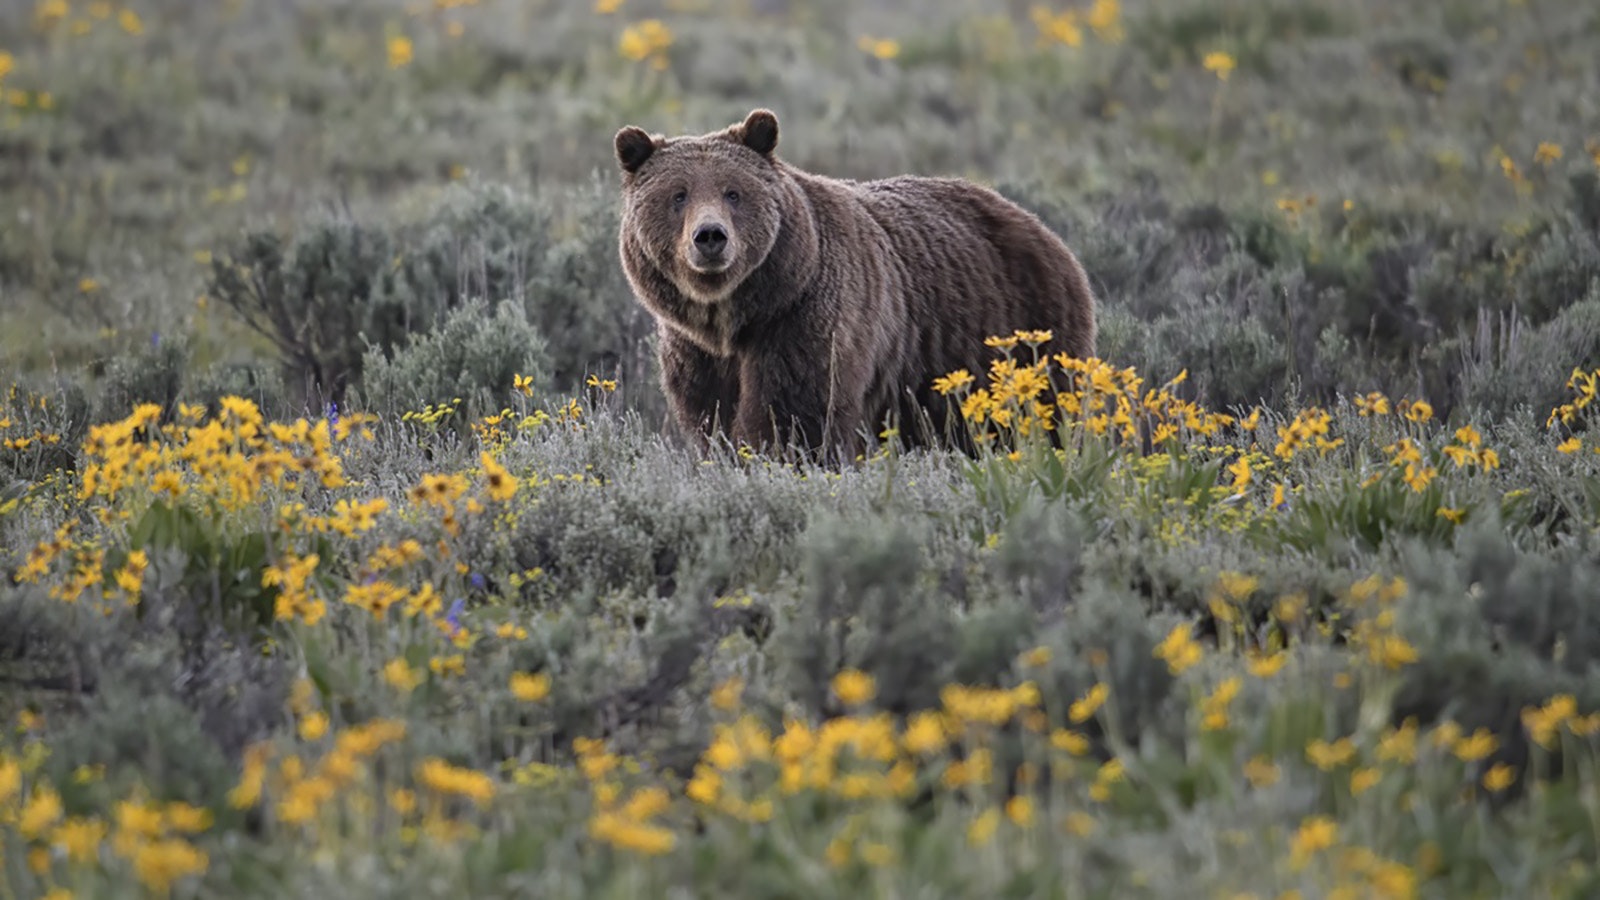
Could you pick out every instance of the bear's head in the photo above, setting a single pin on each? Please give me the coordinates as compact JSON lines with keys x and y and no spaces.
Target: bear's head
{"x":706,"y":209}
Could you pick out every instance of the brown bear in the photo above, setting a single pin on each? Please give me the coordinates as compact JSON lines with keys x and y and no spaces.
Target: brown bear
{"x":800,"y":311}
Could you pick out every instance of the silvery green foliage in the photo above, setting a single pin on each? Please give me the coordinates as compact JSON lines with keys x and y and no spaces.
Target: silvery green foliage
{"x":153,"y":373}
{"x":581,"y":302}
{"x":321,"y":298}
{"x":474,"y":355}
{"x":1331,"y":302}
{"x":256,"y":381}
{"x":1511,"y":369}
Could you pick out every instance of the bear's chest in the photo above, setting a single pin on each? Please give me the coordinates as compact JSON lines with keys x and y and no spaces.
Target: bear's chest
{"x":710,"y":326}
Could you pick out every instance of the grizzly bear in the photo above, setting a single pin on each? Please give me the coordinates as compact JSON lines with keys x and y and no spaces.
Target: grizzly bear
{"x":800,"y":311}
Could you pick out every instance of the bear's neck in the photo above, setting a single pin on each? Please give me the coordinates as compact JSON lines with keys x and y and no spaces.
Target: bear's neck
{"x":790,"y":269}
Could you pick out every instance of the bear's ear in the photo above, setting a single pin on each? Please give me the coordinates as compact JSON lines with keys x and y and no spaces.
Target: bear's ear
{"x":760,"y":131}
{"x":634,"y":147}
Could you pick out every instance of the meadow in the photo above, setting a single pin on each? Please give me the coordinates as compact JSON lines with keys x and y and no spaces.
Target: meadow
{"x":344,"y":548}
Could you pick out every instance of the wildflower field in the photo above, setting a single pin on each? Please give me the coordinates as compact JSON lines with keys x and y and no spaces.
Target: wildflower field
{"x":344,"y":549}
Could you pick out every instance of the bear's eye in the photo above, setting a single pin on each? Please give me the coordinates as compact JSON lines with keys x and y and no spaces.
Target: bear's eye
{"x":733,"y":197}
{"x":680,"y":198}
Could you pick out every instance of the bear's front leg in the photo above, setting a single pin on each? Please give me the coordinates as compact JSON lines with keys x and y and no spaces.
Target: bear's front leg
{"x":702,"y":390}
{"x":786,"y":398}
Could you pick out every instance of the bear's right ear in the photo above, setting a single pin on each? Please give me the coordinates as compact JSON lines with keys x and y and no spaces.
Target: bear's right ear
{"x":634,"y":147}
{"x":760,"y":131}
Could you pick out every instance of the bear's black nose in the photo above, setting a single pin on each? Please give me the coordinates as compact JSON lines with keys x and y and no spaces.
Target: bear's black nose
{"x":710,"y":240}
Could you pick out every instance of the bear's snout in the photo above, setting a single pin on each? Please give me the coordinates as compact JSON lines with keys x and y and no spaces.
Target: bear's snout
{"x":710,"y":246}
{"x":711,"y":239}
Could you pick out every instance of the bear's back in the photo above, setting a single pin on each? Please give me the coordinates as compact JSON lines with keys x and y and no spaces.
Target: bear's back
{"x":975,"y":264}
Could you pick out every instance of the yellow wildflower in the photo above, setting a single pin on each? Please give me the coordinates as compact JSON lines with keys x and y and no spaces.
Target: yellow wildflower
{"x":158,"y":864}
{"x":400,"y":54}
{"x":247,"y":793}
{"x":441,"y":777}
{"x":1221,"y":63}
{"x":187,"y":819}
{"x":1315,"y":834}
{"x":1179,"y":649}
{"x":1086,"y":706}
{"x":1261,"y":771}
{"x":1111,"y":772}
{"x":1214,"y":709}
{"x":1079,"y":823}
{"x":530,"y":688}
{"x":1070,"y":742}
{"x":725,"y":696}
{"x":1416,"y":410}
{"x":924,"y":733}
{"x":1499,"y":777}
{"x":877,"y":854}
{"x":1476,"y":746}
{"x":1037,"y":657}
{"x":313,"y":726}
{"x":1266,"y":665}
{"x":1372,"y":404}
{"x":1105,"y":18}
{"x":1541,"y":722}
{"x":402,"y":800}
{"x":1019,"y":809}
{"x":1327,"y":757}
{"x":1445,"y":734}
{"x":648,"y":39}
{"x":1391,"y":651}
{"x":1399,"y":745}
{"x":502,"y":485}
{"x":399,"y":674}
{"x":854,"y":687}
{"x":1363,"y":780}
{"x":629,"y":828}
{"x":80,"y":838}
{"x":982,"y":828}
{"x":40,"y":812}
{"x":882,"y":48}
{"x":1240,"y":470}
{"x":1061,"y":28}
{"x":956,"y":380}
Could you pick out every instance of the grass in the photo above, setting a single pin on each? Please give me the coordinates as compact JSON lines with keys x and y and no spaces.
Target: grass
{"x":1300,"y":603}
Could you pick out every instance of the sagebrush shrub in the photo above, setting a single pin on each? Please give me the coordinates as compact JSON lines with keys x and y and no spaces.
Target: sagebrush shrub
{"x":45,"y":425}
{"x":481,"y":240}
{"x":474,"y":356}
{"x":1557,"y":266}
{"x":155,"y":373}
{"x":580,"y":300}
{"x":258,"y":382}
{"x":321,"y":299}
{"x":1508,"y":366}
{"x":341,"y":286}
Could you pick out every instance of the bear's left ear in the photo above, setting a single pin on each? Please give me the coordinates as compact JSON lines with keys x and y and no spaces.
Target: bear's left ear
{"x":634,"y":148}
{"x":760,"y":131}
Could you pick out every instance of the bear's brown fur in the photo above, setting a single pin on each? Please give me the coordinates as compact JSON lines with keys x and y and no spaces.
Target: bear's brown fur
{"x":797,"y":308}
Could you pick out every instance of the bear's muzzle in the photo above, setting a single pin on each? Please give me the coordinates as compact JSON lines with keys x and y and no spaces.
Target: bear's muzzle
{"x":709,"y":247}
